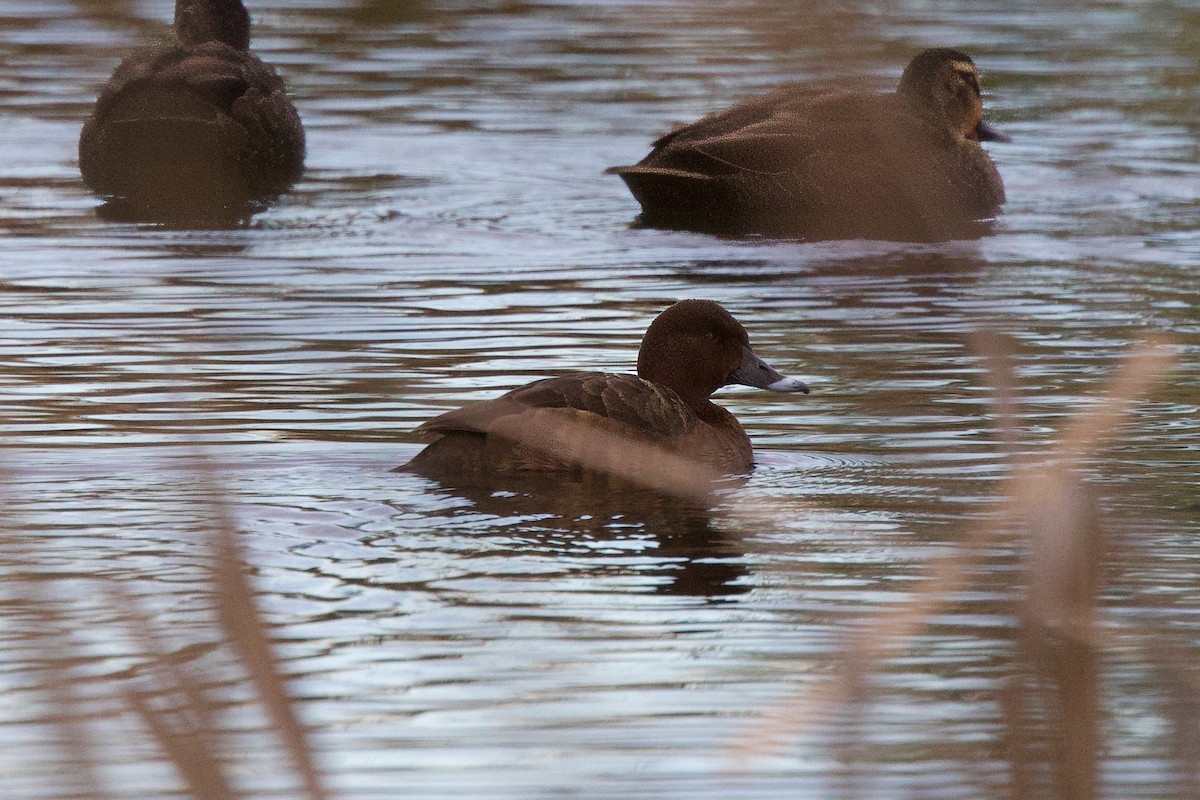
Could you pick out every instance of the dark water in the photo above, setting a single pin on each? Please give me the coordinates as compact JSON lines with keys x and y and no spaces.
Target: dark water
{"x":454,"y":237}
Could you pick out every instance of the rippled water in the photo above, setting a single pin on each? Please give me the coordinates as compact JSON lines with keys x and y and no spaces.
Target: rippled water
{"x":454,"y":237}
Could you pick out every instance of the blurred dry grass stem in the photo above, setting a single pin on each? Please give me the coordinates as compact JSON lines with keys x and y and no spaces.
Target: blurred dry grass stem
{"x":53,"y":649}
{"x":1052,"y":517}
{"x":598,"y":450}
{"x":1047,"y":514}
{"x":174,"y":703}
{"x":241,"y":620}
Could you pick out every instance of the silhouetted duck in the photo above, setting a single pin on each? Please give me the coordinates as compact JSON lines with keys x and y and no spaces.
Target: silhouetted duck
{"x":820,"y":164}
{"x":194,"y":129}
{"x":582,"y":422}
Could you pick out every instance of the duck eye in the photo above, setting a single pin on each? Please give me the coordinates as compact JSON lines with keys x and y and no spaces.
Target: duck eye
{"x":709,"y":335}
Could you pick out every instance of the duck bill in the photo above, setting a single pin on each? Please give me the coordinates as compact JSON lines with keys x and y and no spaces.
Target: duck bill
{"x":753,"y":371}
{"x":986,"y":133}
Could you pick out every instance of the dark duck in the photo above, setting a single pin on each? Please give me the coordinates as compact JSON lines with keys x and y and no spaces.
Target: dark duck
{"x":814,"y":163}
{"x":594,"y":422}
{"x":196,"y":129}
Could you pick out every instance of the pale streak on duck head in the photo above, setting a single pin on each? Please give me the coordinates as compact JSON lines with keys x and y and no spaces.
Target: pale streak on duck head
{"x":944,"y":84}
{"x":966,"y":87}
{"x":200,"y":21}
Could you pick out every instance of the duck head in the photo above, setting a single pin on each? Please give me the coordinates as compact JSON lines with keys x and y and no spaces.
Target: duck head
{"x":695,"y":347}
{"x":200,"y":21}
{"x":944,"y":83}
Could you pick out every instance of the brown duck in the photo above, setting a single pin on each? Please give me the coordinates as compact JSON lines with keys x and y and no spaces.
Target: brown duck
{"x":597,"y":422}
{"x":817,"y":164}
{"x":196,"y":128}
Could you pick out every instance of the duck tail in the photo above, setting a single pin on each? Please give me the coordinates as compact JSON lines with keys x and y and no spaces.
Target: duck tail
{"x":677,"y":198}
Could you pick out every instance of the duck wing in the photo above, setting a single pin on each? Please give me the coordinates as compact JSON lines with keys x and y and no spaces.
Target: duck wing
{"x":778,"y":133}
{"x":738,"y":170}
{"x":739,"y":116}
{"x":625,"y":402}
{"x":816,"y":164}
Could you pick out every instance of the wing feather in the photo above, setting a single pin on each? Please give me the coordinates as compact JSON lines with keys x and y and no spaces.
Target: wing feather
{"x":651,"y":412}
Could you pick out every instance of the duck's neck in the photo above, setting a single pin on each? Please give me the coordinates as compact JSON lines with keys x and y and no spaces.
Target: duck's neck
{"x":200,"y":21}
{"x":697,"y":399}
{"x":685,"y":380}
{"x":713,"y":414}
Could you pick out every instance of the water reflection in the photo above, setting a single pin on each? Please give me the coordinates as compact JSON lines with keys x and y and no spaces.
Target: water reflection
{"x":672,"y":542}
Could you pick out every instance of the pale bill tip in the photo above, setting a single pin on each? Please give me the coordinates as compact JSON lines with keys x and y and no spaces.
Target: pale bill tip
{"x":788,"y":385}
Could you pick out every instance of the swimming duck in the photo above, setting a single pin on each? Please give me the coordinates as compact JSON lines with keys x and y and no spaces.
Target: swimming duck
{"x":195,"y":128}
{"x":583,"y":422}
{"x":819,"y":164}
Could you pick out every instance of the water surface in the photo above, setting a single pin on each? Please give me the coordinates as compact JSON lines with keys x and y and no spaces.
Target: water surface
{"x":454,"y":237}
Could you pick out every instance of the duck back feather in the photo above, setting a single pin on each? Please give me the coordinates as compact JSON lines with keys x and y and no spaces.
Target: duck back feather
{"x":191,"y":130}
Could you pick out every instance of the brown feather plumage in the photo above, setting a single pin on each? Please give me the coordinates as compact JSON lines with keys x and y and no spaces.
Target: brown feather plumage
{"x":199,"y":127}
{"x":814,"y":163}
{"x":605,"y":422}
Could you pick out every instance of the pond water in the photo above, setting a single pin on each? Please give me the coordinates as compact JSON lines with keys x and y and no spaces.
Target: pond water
{"x":454,"y":236}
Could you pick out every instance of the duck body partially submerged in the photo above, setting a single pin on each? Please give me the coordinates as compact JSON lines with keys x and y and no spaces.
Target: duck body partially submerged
{"x":198,"y":127}
{"x":598,"y":422}
{"x":816,"y":163}
{"x":570,"y":423}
